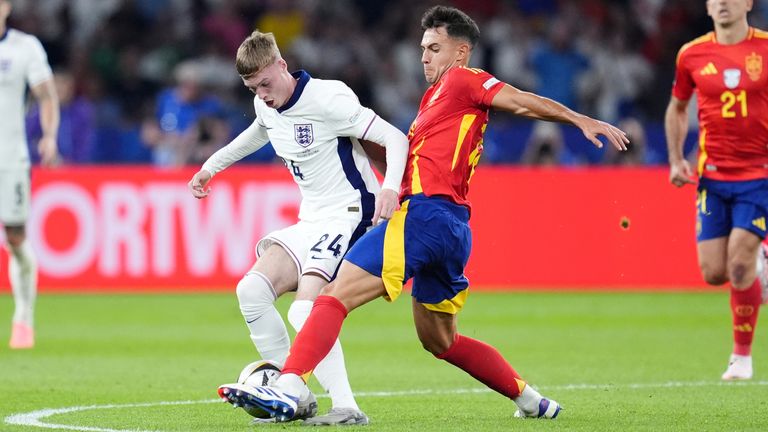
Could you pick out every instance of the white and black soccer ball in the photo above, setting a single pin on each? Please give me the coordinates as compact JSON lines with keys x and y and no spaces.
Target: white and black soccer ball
{"x":259,"y":373}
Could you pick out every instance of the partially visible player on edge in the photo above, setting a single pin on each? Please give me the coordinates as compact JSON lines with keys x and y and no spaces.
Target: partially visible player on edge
{"x":314,"y":125}
{"x":727,"y":70}
{"x":429,"y":238}
{"x":23,"y":63}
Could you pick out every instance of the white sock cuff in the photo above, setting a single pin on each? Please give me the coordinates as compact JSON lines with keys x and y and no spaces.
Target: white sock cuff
{"x":263,"y":278}
{"x":299,"y":312}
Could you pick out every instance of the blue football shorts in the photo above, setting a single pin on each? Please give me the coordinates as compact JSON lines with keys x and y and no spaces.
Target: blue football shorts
{"x":427,"y":239}
{"x":724,"y":205}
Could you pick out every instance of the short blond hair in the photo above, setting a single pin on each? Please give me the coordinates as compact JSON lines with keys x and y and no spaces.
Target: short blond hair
{"x":257,"y":51}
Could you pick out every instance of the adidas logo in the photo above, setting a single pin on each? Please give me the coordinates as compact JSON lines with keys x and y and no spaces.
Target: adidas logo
{"x":759,"y":222}
{"x":743,"y":328}
{"x":709,"y":69}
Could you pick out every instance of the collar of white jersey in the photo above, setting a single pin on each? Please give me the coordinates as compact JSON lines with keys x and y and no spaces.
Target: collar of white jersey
{"x":303,"y":78}
{"x":5,"y":35}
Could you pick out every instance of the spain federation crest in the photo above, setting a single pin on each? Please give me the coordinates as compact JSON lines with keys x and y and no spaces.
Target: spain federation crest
{"x":754,"y":66}
{"x":303,"y":134}
{"x":732,"y":78}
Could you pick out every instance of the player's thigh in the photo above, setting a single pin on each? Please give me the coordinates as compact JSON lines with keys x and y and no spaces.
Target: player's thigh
{"x":310,"y":286}
{"x":276,"y":263}
{"x":442,"y":286}
{"x":749,"y":214}
{"x":436,"y":330}
{"x":713,"y":260}
{"x":354,"y":286}
{"x":15,"y":195}
{"x":714,"y":203}
{"x":713,"y":226}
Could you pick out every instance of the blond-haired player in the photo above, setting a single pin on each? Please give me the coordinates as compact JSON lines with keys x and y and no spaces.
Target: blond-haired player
{"x":314,"y":126}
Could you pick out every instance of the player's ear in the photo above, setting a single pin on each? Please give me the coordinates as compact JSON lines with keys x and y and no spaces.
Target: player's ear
{"x":464,"y":51}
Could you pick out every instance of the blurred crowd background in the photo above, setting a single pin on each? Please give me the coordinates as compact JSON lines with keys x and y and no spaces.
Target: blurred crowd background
{"x":153,"y":81}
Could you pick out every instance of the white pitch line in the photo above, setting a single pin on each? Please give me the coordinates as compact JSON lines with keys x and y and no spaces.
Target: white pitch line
{"x":35,"y":418}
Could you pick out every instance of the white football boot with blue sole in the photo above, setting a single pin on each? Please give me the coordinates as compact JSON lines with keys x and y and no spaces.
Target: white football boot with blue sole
{"x":274,"y":402}
{"x":547,"y":409}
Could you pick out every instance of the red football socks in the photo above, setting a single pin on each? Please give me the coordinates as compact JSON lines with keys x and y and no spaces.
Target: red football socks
{"x":744,"y":307}
{"x":485,"y":364}
{"x":317,"y":337}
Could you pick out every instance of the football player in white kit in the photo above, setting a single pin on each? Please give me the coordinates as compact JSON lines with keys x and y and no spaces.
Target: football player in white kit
{"x":315,"y":126}
{"x":22,"y":62}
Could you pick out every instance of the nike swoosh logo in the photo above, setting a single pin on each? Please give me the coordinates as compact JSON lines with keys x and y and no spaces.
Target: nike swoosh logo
{"x":319,"y":258}
{"x":251,"y":321}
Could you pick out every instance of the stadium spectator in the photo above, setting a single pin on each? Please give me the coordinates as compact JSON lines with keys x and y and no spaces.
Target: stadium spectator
{"x":732,"y":203}
{"x":23,"y":63}
{"x":179,"y":108}
{"x":77,"y":127}
{"x":618,"y":41}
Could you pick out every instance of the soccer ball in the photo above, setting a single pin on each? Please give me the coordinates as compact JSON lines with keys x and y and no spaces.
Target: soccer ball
{"x":259,"y":373}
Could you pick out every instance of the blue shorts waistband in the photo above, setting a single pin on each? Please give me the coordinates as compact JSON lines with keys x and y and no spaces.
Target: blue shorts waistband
{"x":457,"y":210}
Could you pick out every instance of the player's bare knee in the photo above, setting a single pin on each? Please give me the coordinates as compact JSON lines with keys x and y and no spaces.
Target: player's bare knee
{"x":435,"y":343}
{"x":15,"y":235}
{"x":713,"y":275}
{"x":738,"y":275}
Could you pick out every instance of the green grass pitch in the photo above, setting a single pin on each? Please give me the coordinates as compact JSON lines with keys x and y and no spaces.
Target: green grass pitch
{"x":615,"y":361}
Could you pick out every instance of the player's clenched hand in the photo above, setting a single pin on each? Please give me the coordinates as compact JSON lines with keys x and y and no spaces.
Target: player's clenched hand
{"x":198,"y":184}
{"x":593,"y":128}
{"x":48,"y":150}
{"x":386,"y":204}
{"x":680,"y":173}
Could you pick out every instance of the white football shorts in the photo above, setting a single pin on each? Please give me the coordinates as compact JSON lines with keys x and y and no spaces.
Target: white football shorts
{"x":316,"y":247}
{"x":15,"y":195}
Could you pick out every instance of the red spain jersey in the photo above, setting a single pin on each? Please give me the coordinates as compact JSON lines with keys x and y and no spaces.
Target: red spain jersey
{"x":446,"y":139}
{"x":731,"y":83}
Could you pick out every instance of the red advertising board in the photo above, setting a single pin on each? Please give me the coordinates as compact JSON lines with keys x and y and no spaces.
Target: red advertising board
{"x":138,"y":228}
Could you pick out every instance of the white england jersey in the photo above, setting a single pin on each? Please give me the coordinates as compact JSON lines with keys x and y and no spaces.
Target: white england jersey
{"x":22,"y":62}
{"x":315,"y":133}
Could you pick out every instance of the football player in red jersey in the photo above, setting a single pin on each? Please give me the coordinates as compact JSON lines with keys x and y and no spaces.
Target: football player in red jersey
{"x":726,"y":70}
{"x":428,"y":238}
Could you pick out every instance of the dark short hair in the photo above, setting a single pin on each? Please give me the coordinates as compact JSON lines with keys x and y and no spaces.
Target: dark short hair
{"x":457,"y":24}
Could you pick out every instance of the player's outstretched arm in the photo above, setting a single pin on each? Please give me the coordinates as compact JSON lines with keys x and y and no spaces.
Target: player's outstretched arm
{"x":676,"y":128}
{"x":533,"y":106}
{"x":395,"y":143}
{"x":249,"y":140}
{"x":46,"y":96}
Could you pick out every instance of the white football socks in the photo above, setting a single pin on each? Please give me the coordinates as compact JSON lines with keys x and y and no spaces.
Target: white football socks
{"x":22,"y":271}
{"x":331,"y":372}
{"x":257,"y":296}
{"x":529,"y":399}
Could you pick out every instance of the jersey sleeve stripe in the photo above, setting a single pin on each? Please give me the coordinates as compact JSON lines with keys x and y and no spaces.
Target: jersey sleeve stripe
{"x":369,"y":126}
